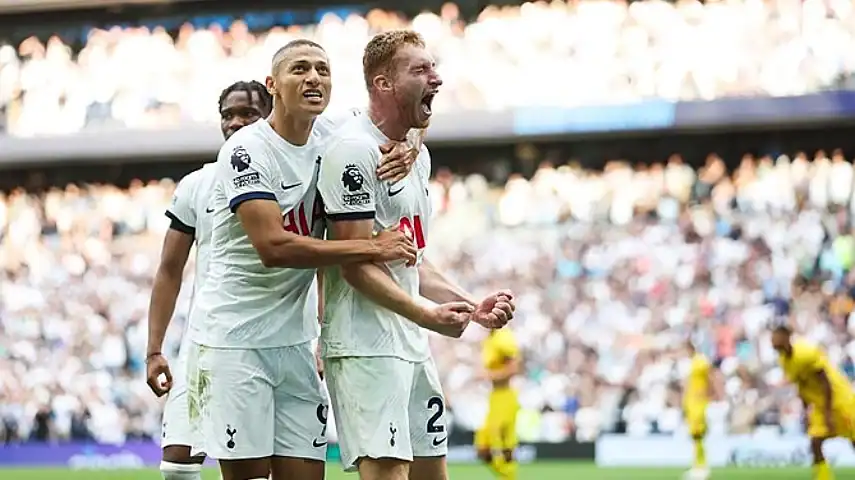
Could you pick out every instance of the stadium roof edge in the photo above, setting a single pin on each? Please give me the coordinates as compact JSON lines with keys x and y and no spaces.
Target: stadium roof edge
{"x":28,"y":6}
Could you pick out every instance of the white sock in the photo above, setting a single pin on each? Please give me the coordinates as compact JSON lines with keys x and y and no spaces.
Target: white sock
{"x":181,"y":471}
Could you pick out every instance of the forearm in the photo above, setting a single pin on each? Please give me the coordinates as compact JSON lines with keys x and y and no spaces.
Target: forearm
{"x":294,"y":251}
{"x":164,"y":295}
{"x":374,"y":282}
{"x":434,"y":286}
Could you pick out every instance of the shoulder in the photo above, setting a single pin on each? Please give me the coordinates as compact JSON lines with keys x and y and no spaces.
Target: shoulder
{"x":327,"y":123}
{"x":352,"y":146}
{"x":244,"y":147}
{"x":700,"y":362}
{"x":189,"y":182}
{"x":806,"y":351}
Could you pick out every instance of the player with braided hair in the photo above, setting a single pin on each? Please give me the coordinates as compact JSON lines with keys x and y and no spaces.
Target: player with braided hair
{"x":240,"y":104}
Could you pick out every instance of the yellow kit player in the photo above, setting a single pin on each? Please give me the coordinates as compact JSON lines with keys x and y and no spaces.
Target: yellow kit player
{"x":696,"y":397}
{"x":497,"y":439}
{"x":826,"y":393}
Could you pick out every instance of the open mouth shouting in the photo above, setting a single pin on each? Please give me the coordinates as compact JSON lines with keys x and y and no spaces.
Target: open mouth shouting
{"x":426,"y":103}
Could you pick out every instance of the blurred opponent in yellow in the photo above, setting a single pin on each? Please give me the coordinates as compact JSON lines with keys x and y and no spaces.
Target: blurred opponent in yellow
{"x":696,"y":397}
{"x":826,"y":393}
{"x":497,"y":439}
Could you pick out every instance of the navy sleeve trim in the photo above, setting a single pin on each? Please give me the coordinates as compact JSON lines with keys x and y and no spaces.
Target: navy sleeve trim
{"x":245,"y":197}
{"x":179,"y":225}
{"x":337,"y":217}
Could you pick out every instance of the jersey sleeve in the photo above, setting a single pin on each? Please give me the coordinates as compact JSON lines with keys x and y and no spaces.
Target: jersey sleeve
{"x":811,"y":359}
{"x":348,"y":182}
{"x":182,"y":212}
{"x":245,"y":172}
{"x":507,"y":346}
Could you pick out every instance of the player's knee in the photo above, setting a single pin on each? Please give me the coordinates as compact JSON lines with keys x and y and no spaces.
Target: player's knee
{"x":485,"y":455}
{"x":180,"y":471}
{"x":509,"y":455}
{"x":383,"y":469}
{"x":180,"y":454}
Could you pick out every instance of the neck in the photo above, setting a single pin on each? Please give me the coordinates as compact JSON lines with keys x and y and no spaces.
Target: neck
{"x":294,"y":129}
{"x":388,"y":120}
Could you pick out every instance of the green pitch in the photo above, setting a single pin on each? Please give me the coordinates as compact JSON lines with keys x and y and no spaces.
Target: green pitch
{"x":537,"y":471}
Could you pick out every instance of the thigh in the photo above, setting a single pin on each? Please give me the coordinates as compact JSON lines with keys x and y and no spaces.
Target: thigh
{"x":370,"y":398}
{"x":817,"y":424}
{"x":696,"y":420}
{"x":234,"y":395}
{"x":428,"y":424}
{"x":176,"y":429}
{"x":301,"y":406}
{"x":428,"y":468}
{"x":844,"y":423}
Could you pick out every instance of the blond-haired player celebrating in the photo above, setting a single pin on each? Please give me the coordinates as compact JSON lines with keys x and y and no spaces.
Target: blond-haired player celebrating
{"x":826,"y":393}
{"x":697,"y":393}
{"x":497,"y":438}
{"x":384,"y":387}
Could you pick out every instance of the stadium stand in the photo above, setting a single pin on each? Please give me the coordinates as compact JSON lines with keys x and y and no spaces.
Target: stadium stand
{"x":613,"y":265}
{"x":686,"y":251}
{"x":144,"y":78}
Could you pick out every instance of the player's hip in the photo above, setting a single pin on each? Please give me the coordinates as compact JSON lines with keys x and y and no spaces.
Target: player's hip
{"x":375,"y":339}
{"x":273,"y":366}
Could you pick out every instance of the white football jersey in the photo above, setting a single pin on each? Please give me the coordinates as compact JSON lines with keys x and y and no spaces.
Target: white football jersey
{"x":245,"y":304}
{"x":354,"y":325}
{"x":191,"y":213}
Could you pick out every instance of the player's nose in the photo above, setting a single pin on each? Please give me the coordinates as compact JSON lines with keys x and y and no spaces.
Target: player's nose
{"x":435,"y":80}
{"x":313,"y":78}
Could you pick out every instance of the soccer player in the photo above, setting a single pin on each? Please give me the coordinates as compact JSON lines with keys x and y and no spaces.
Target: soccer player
{"x":827,"y":395}
{"x":696,"y":397}
{"x":497,"y":438}
{"x":383,"y":383}
{"x":253,"y":386}
{"x":241,"y":104}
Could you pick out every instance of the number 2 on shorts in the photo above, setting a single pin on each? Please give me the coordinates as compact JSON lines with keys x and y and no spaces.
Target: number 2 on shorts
{"x":435,"y":404}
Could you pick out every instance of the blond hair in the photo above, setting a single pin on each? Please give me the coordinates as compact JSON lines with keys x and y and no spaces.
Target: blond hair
{"x":379,"y":55}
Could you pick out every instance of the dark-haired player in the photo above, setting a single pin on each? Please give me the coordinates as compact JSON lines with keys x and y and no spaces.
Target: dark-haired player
{"x":254,"y":390}
{"x":241,"y":104}
{"x":824,"y":390}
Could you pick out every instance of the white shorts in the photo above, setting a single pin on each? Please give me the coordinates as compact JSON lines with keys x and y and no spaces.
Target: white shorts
{"x":386,"y":408}
{"x":257,"y":403}
{"x":176,"y":429}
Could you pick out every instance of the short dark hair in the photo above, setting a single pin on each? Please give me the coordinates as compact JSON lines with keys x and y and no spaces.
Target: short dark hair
{"x":300,"y":42}
{"x":264,"y":96}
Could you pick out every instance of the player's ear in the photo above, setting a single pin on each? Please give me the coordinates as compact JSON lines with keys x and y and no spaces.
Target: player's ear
{"x":270,"y":84}
{"x":382,"y":83}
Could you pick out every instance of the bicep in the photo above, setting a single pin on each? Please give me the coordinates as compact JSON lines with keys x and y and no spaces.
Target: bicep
{"x":176,"y":251}
{"x":261,"y":219}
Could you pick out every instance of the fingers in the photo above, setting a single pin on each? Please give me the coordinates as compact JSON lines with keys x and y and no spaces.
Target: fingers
{"x":460,"y":307}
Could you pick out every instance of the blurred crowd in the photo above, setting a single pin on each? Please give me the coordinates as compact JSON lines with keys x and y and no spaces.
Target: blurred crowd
{"x":537,"y":54}
{"x":610,"y":281}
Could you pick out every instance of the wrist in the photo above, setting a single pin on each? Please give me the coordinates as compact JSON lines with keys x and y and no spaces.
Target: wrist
{"x":151,"y":354}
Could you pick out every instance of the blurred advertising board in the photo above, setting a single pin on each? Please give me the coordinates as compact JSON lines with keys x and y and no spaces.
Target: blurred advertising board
{"x":737,"y":450}
{"x":91,"y":456}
